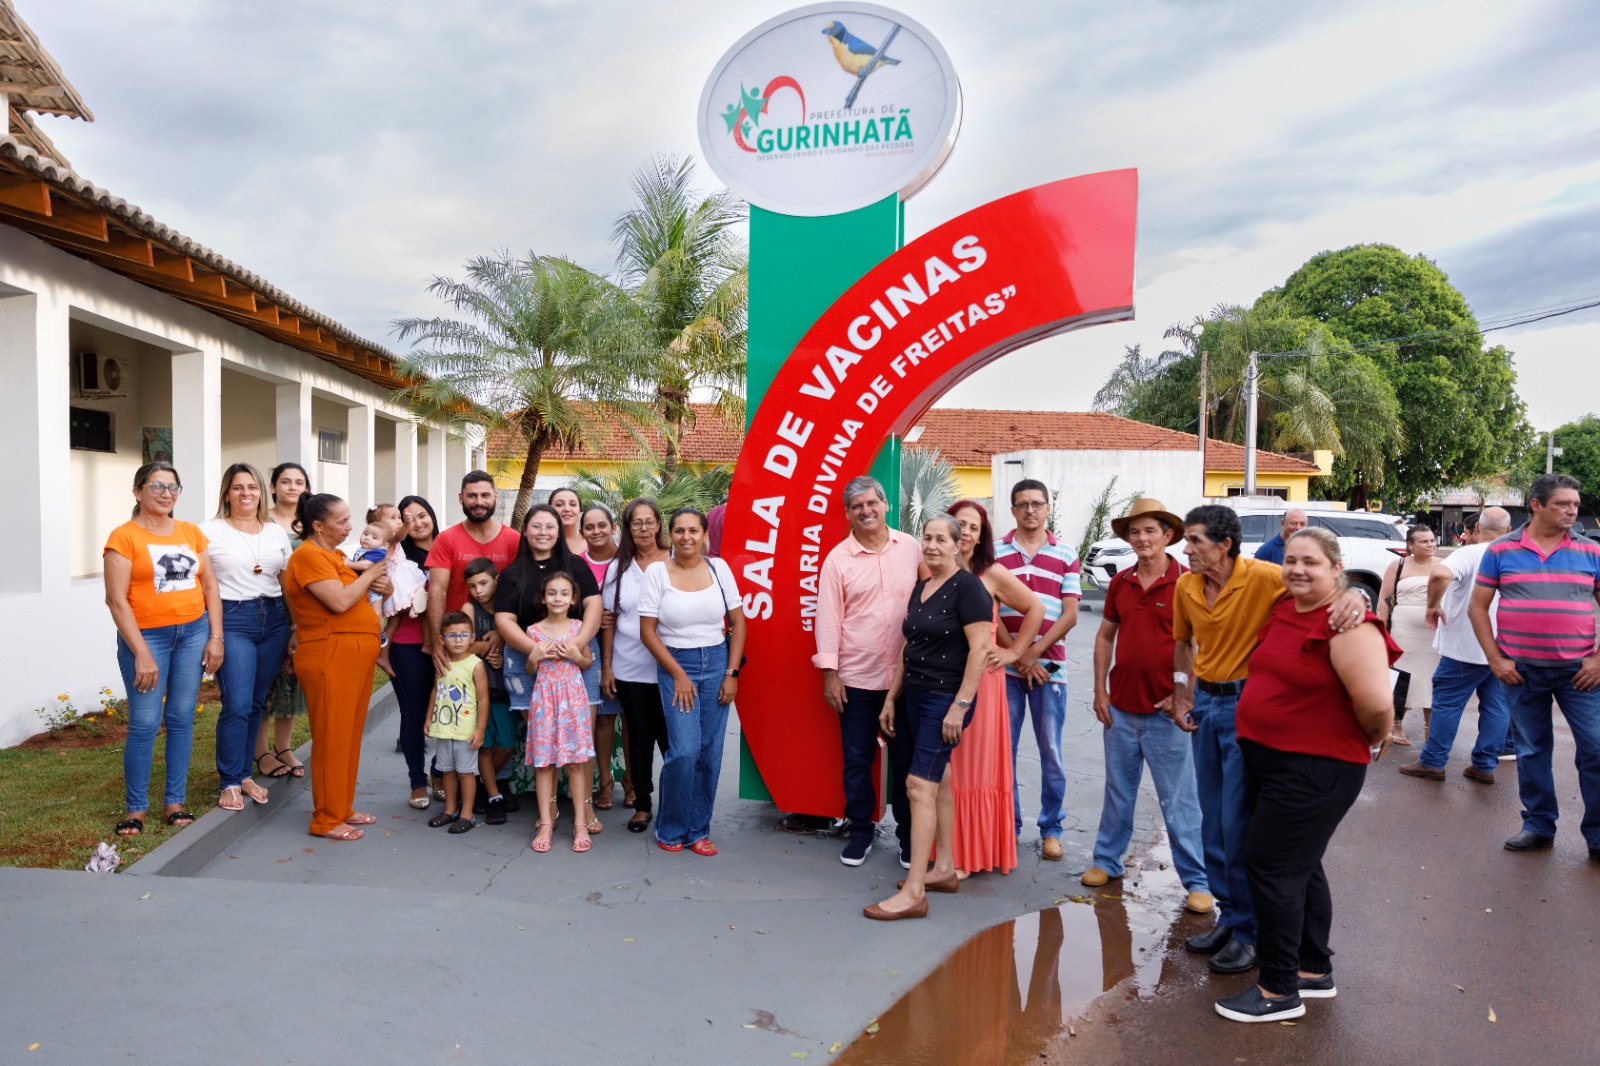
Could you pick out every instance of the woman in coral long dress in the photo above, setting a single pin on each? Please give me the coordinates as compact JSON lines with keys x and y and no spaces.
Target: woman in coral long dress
{"x":980,"y":767}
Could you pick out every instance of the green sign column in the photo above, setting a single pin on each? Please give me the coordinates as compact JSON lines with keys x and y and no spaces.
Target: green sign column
{"x":798,"y":267}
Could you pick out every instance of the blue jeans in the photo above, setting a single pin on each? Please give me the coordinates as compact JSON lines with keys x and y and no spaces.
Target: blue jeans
{"x":255,"y":635}
{"x":693,"y":762}
{"x":1049,"y":704}
{"x":1536,"y":783}
{"x":1454,"y":682}
{"x":1132,"y":742}
{"x":1224,"y":810}
{"x":177,"y":651}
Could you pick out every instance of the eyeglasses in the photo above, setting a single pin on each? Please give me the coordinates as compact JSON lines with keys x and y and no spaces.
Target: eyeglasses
{"x":645,"y":523}
{"x":161,"y":488}
{"x":1029,"y":505}
{"x":457,"y":636}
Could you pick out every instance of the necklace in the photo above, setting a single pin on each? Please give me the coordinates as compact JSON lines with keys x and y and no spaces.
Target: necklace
{"x":255,"y":541}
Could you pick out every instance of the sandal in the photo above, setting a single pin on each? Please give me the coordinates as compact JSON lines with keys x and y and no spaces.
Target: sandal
{"x":444,"y":819}
{"x":130,"y":827}
{"x":255,"y":792}
{"x":664,"y":846}
{"x":180,"y":818}
{"x":237,"y":797}
{"x":603,"y":800}
{"x":541,"y":841}
{"x":360,"y":818}
{"x":281,"y":771}
{"x":343,"y":832}
{"x":582,"y":843}
{"x":462,"y":825}
{"x":593,"y":824}
{"x":703,"y":846}
{"x":296,"y":768}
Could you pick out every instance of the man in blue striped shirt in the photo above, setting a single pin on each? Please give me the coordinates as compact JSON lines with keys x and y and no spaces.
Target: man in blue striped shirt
{"x":1544,"y":649}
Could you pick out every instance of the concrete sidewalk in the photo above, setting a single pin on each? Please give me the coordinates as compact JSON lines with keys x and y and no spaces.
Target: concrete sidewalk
{"x":416,"y":945}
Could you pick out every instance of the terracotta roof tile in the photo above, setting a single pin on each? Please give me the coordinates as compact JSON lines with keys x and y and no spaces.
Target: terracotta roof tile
{"x":964,"y":436}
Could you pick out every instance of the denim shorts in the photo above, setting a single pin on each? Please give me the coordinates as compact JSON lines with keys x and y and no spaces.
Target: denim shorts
{"x":519,"y":681}
{"x":591,"y":676}
{"x":925,"y":711}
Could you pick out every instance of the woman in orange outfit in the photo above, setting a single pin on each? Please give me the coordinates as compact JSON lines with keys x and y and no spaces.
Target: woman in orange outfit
{"x":337,"y":653}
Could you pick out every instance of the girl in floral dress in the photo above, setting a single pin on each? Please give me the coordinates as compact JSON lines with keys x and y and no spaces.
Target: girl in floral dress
{"x":560,"y":722}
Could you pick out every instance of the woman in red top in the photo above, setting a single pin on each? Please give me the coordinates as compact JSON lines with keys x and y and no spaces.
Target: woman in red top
{"x":1316,"y":710}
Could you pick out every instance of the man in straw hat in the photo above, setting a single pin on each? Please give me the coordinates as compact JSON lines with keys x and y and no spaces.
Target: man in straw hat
{"x":1139,"y":607}
{"x":1219,"y":608}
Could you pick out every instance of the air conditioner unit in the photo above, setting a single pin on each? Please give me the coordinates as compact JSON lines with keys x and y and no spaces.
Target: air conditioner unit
{"x":101,"y":376}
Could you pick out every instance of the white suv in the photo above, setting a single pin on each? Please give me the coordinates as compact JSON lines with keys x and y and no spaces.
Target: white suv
{"x":1368,"y":541}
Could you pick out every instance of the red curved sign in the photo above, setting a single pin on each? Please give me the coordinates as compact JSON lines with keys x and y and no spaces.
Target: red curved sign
{"x":1026,"y":266}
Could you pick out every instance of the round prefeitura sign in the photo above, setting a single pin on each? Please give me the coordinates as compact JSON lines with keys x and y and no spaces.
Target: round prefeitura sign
{"x":830,"y":108}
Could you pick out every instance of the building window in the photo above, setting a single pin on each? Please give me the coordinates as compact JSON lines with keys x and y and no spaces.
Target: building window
{"x":330,"y":445}
{"x":90,"y":430}
{"x":1238,"y":490}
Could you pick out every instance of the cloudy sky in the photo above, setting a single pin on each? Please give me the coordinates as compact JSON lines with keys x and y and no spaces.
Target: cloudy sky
{"x":350,"y":151}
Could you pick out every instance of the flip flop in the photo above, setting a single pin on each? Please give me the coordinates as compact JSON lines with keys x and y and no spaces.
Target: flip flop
{"x":130,"y":827}
{"x":180,"y":818}
{"x":703,"y":846}
{"x":343,"y":832}
{"x":260,"y":795}
{"x":360,"y":818}
{"x":238,"y":799}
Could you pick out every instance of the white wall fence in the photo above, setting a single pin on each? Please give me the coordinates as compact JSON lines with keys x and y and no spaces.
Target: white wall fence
{"x":1077,"y":478}
{"x":221,"y":393}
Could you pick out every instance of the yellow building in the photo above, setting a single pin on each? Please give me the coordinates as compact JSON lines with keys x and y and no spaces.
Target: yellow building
{"x":966,"y":438}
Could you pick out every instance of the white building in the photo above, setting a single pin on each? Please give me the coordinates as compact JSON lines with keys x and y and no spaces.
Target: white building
{"x":119,"y":336}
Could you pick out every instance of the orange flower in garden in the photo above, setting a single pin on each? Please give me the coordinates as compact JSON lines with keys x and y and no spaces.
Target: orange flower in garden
{"x":62,"y":696}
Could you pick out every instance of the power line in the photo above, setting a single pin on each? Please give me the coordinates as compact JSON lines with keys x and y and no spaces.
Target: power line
{"x":1411,"y":340}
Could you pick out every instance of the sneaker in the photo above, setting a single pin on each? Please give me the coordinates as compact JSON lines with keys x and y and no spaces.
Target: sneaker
{"x":1318,"y":987}
{"x":905,"y":855}
{"x":855,"y":853}
{"x":1509,"y":755}
{"x":496,"y":811}
{"x":1251,"y":1006}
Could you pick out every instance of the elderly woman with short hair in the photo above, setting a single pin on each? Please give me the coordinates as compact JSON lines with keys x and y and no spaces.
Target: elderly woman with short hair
{"x":947,"y":631}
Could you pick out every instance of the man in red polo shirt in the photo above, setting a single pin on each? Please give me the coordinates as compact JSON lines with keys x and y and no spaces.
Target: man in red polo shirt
{"x":1138,"y":608}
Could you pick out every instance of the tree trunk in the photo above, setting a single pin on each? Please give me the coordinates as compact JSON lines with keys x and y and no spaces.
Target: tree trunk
{"x":669,"y":459}
{"x":537,"y":442}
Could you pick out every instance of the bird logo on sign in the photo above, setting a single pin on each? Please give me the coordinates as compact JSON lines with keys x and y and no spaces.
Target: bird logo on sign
{"x":857,"y":57}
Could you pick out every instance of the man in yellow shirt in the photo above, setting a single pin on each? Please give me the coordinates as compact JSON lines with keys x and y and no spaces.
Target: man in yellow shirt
{"x":1218,"y":610}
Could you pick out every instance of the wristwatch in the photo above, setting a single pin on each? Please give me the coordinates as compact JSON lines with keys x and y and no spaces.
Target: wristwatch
{"x":963,"y":704}
{"x":734,"y":673}
{"x":1180,"y":678}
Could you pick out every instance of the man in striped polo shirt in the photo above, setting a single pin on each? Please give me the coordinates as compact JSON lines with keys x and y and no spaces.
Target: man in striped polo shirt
{"x":1549,"y":583}
{"x":1038,"y":679}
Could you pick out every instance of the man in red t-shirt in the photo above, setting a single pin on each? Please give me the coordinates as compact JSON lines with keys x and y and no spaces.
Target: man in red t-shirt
{"x":478,"y":536}
{"x":1139,"y":607}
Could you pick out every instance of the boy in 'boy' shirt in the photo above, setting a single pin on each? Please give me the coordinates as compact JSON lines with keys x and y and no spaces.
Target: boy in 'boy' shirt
{"x":461,"y":700}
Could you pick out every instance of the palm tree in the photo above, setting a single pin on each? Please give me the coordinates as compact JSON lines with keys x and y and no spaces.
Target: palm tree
{"x":687,"y":278}
{"x":614,"y":488}
{"x":927,"y":486}
{"x":533,"y":351}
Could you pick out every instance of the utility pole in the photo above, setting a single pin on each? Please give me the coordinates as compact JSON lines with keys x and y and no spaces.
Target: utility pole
{"x":1550,"y":453}
{"x":1252,"y":376}
{"x":1205,"y":378}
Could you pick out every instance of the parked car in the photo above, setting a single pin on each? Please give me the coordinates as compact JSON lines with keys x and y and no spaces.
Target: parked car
{"x":1369,"y":542}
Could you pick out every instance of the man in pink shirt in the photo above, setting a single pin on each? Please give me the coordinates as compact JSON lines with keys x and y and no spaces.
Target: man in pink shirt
{"x":862,"y":597}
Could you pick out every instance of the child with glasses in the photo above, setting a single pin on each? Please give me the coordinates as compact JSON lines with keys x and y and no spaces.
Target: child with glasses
{"x":460,"y":706}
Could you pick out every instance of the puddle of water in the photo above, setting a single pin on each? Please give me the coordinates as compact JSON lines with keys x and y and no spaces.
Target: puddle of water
{"x":1009,"y":991}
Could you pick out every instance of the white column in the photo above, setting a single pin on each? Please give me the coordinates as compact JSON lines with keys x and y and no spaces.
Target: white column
{"x":433,"y":481}
{"x":33,"y":408}
{"x":457,"y":461}
{"x":360,"y":436}
{"x":405,"y":459}
{"x":197,"y":431}
{"x":297,"y":436}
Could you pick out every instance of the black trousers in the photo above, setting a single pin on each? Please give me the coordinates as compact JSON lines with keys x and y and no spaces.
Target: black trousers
{"x":647,"y":731}
{"x":1296,"y":802}
{"x":900,"y":747}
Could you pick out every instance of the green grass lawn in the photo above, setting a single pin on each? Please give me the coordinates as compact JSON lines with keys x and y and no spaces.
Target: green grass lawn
{"x":56,"y":804}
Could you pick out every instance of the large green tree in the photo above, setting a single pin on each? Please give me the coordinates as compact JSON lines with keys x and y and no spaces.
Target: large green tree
{"x":535,"y":348}
{"x":1463,"y":418}
{"x":686,"y":275}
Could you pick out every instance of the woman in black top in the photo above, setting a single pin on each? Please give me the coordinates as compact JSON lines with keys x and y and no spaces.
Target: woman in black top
{"x":947,"y":647}
{"x":518,"y":605}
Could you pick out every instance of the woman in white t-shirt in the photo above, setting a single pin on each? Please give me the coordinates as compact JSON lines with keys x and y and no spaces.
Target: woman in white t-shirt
{"x":627,"y":669}
{"x":248,"y":553}
{"x":691,"y":620}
